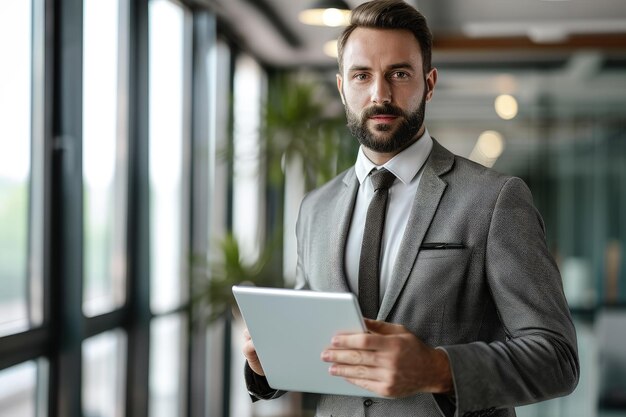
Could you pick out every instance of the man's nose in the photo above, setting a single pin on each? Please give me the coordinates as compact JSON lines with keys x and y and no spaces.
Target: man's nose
{"x":381,"y":91}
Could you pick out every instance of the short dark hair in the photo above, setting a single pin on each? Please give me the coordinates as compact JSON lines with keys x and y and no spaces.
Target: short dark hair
{"x":389,"y":14}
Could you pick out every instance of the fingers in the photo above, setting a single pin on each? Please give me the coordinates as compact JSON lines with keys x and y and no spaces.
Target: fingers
{"x":361,"y":372}
{"x":378,"y":339}
{"x":383,"y":327}
{"x":361,"y":341}
{"x":353,"y":357}
{"x":250,"y":354}
{"x":249,"y":351}
{"x":390,"y":360}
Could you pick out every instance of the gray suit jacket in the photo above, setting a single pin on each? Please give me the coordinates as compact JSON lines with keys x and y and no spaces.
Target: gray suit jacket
{"x":491,"y":298}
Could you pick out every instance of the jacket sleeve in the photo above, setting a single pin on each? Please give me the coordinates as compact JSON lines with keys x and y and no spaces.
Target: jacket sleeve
{"x":538,"y":360}
{"x":257,"y":386}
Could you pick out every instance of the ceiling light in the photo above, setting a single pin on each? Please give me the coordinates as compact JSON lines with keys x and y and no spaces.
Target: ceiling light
{"x":546,"y":31}
{"x":488,"y":148}
{"x":506,"y":106}
{"x":326,"y":13}
{"x":544,"y":34}
{"x":490,"y":143}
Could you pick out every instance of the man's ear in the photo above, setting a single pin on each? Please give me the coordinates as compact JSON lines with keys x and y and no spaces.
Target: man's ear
{"x":431,"y":81}
{"x":339,"y":85}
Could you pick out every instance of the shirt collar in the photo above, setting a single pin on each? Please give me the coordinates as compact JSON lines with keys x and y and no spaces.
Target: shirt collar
{"x":404,"y":165}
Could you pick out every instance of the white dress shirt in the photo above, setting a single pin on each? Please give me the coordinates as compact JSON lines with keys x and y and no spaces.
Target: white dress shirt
{"x":407,"y":167}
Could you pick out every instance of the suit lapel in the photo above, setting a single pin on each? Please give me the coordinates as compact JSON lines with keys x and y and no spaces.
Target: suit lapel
{"x":339,"y":231}
{"x":429,"y":193}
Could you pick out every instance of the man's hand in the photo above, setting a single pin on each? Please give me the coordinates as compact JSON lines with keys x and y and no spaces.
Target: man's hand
{"x":389,"y":361}
{"x":250,"y":353}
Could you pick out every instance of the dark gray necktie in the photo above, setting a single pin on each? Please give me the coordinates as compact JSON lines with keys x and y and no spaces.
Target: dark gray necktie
{"x":369,"y":262}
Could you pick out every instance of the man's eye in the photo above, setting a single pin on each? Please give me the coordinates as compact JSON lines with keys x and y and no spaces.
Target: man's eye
{"x":360,"y":77}
{"x":400,"y":75}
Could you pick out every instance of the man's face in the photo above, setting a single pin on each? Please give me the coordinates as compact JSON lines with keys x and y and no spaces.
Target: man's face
{"x":384,"y":89}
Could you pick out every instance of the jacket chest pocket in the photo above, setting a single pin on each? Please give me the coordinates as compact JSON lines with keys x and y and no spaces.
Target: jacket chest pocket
{"x":435,"y":283}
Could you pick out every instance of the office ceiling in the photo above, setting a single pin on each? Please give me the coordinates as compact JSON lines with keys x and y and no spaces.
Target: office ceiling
{"x":559,"y":58}
{"x":464,"y":30}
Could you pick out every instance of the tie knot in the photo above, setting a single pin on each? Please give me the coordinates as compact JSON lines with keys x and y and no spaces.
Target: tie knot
{"x":382,"y":179}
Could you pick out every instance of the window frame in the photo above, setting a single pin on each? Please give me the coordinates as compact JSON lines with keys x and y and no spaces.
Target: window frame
{"x":64,"y":327}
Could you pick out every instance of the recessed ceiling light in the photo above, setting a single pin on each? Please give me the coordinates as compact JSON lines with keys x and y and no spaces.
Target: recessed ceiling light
{"x":331,"y":13}
{"x":506,"y":106}
{"x":488,"y":148}
{"x":490,"y":143}
{"x":325,"y":17}
{"x":545,"y":31}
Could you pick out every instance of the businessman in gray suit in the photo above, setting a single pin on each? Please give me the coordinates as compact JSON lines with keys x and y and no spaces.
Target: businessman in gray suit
{"x":466,"y":310}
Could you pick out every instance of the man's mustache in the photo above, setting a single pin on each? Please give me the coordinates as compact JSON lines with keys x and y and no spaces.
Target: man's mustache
{"x":387,"y":109}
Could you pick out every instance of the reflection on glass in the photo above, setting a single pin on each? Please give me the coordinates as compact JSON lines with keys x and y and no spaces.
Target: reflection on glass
{"x":15,"y":145}
{"x":219,"y":109}
{"x":167,"y":43}
{"x":104,"y":158}
{"x":104,"y":363}
{"x":22,"y":389}
{"x":167,"y":359}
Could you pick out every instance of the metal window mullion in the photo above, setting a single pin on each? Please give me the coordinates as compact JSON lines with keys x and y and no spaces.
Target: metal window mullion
{"x":204,"y":37}
{"x":186,"y":203}
{"x":104,"y":322}
{"x":66,"y":204}
{"x":22,"y":347}
{"x":138,"y":229}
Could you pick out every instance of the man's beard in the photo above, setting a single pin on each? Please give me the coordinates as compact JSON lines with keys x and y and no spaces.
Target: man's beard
{"x":404,"y":135}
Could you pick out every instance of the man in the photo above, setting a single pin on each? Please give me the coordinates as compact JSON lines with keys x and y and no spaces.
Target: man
{"x":471,"y":316}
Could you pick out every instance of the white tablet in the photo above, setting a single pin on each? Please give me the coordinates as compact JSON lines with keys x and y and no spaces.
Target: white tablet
{"x":291,"y":328}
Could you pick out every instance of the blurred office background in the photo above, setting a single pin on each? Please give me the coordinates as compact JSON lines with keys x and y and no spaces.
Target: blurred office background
{"x":154,"y":152}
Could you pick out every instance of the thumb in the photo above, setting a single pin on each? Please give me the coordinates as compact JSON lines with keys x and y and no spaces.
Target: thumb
{"x":382,"y":327}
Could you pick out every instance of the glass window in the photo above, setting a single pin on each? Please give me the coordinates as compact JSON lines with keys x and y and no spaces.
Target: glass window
{"x":23,"y":390}
{"x":167,"y":362}
{"x":15,"y":162}
{"x":104,"y":155}
{"x":248,"y":184}
{"x":104,"y":370}
{"x":219,"y":113}
{"x":167,"y":140}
